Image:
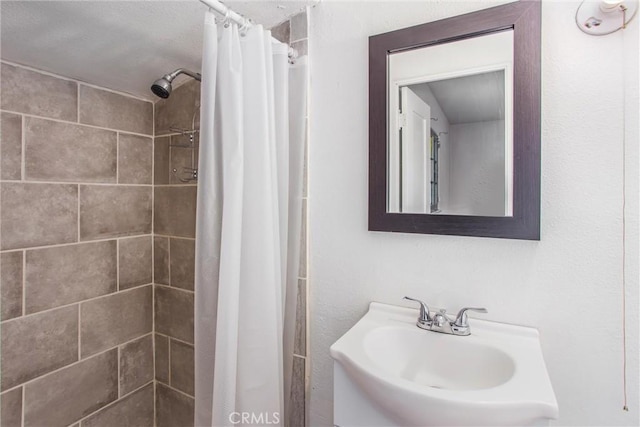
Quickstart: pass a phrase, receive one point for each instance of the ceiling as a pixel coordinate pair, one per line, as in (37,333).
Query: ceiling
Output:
(469,99)
(120,45)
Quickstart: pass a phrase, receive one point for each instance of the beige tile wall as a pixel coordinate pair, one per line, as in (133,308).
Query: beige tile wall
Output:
(174,242)
(76,253)
(174,249)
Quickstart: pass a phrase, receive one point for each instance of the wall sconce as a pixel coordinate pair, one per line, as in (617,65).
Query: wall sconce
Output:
(602,17)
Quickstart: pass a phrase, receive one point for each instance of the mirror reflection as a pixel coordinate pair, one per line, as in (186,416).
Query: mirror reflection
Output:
(450,128)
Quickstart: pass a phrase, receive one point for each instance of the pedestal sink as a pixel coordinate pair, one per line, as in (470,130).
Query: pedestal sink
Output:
(388,372)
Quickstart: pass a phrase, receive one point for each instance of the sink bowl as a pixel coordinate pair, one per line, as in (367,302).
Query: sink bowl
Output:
(389,372)
(406,354)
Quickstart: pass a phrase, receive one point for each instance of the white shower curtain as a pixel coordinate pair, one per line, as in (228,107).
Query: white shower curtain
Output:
(247,226)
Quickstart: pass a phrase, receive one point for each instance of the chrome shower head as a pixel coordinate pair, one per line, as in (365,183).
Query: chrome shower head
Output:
(162,86)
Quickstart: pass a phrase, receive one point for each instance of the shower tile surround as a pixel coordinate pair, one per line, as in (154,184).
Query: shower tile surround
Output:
(298,39)
(75,253)
(174,262)
(174,244)
(97,254)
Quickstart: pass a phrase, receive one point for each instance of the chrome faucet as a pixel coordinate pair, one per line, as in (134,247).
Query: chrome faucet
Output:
(424,321)
(440,322)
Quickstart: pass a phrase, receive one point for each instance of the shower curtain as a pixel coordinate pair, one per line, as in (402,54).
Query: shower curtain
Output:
(247,226)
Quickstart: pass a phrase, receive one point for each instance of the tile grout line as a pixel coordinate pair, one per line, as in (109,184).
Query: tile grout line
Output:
(169,358)
(166,135)
(117,265)
(171,176)
(23,155)
(23,406)
(110,404)
(24,283)
(99,184)
(78,212)
(168,337)
(175,185)
(169,256)
(168,236)
(77,302)
(307,323)
(118,362)
(175,287)
(79,332)
(82,242)
(52,119)
(155,407)
(77,102)
(117,157)
(176,390)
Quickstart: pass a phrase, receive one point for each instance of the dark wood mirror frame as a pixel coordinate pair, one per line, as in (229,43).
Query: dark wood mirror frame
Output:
(523,18)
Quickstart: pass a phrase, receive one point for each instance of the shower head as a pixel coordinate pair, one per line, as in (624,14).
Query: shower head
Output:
(162,86)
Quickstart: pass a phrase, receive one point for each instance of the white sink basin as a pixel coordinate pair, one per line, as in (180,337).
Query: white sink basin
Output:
(456,364)
(495,376)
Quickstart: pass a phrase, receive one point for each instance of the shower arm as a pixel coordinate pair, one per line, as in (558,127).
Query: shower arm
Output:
(179,71)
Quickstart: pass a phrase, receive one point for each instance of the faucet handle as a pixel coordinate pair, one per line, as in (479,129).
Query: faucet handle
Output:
(424,310)
(461,319)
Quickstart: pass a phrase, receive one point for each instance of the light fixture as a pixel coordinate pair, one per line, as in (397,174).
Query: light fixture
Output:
(602,17)
(610,5)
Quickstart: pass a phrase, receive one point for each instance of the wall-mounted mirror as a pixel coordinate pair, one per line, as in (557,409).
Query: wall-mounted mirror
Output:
(450,118)
(455,125)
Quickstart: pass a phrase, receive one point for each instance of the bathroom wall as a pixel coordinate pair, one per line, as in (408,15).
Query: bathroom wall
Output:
(75,253)
(174,240)
(477,157)
(568,285)
(174,250)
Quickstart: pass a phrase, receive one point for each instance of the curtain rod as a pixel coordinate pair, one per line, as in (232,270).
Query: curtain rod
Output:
(228,13)
(243,22)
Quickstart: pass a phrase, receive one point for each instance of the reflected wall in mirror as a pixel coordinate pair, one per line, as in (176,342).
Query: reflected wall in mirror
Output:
(454,125)
(450,134)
